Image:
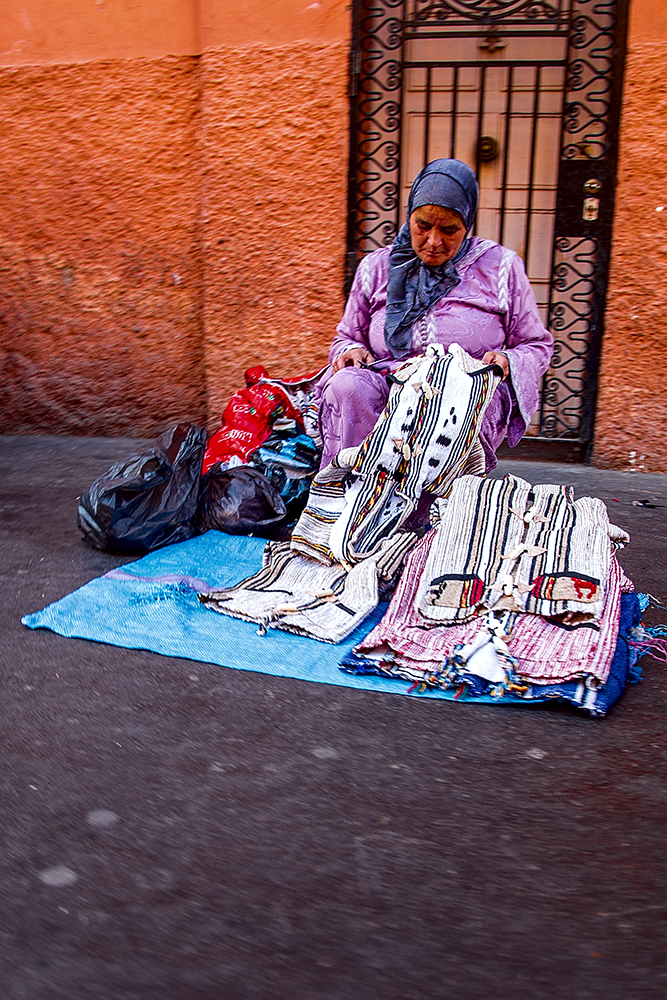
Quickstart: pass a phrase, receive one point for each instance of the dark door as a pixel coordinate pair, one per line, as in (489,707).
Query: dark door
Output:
(527,92)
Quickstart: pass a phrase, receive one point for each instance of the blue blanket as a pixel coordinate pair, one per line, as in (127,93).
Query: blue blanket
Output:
(152,604)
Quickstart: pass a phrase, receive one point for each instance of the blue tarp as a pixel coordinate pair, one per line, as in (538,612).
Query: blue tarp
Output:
(152,604)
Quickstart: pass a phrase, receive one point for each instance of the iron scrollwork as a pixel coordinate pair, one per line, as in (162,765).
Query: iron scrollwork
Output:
(589,79)
(378,124)
(572,287)
(486,12)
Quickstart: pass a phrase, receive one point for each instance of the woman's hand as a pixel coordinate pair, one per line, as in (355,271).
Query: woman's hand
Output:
(354,358)
(497,358)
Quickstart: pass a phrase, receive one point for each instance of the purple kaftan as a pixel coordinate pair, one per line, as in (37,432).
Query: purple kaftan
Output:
(492,309)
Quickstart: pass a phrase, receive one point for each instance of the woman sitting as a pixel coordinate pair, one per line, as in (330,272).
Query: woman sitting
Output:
(436,284)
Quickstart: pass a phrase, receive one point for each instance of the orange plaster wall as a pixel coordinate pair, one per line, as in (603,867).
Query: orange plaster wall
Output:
(272,22)
(648,22)
(64,31)
(129,282)
(100,256)
(275,130)
(632,408)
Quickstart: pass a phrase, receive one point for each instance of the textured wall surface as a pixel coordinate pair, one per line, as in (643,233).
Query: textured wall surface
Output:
(100,265)
(632,407)
(275,128)
(165,222)
(62,31)
(272,22)
(58,31)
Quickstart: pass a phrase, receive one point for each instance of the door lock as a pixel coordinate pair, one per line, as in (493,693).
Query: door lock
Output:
(591,207)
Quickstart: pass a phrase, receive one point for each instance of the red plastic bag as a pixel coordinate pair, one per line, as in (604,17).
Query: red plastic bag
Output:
(248,419)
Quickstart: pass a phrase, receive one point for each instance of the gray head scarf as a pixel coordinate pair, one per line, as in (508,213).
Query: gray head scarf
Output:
(412,286)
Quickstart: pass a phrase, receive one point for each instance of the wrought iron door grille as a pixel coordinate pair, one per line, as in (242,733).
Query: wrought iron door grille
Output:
(469,17)
(527,93)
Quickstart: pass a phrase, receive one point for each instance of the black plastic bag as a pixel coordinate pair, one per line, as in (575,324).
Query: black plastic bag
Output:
(150,499)
(289,461)
(240,501)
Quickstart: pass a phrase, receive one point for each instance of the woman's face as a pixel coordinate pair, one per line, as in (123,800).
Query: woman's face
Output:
(437,234)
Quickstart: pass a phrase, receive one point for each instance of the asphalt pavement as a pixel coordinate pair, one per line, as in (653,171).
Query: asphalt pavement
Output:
(174,830)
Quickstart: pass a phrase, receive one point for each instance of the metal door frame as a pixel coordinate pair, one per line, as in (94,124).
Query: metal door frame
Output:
(376,76)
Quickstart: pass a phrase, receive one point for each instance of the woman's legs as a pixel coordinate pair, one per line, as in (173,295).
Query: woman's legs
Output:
(350,404)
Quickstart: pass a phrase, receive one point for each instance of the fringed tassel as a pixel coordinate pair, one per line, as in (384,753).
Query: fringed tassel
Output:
(646,599)
(643,639)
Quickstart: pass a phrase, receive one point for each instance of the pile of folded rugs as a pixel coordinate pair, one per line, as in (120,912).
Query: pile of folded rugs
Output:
(513,592)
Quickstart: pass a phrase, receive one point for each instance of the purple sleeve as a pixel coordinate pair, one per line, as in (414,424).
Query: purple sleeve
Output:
(528,347)
(353,329)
